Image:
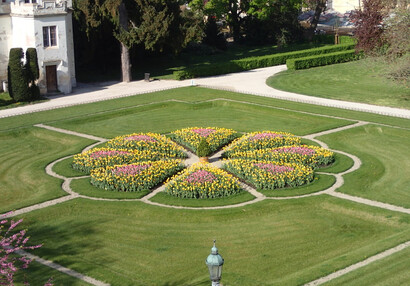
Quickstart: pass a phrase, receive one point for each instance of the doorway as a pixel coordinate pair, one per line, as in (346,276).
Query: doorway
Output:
(51,78)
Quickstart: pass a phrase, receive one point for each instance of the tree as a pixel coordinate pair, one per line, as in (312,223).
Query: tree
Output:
(369,25)
(273,21)
(17,78)
(32,72)
(155,24)
(11,242)
(233,10)
(319,6)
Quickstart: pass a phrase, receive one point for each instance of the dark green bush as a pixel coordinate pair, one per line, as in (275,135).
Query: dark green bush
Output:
(203,149)
(17,77)
(32,64)
(32,72)
(256,62)
(322,60)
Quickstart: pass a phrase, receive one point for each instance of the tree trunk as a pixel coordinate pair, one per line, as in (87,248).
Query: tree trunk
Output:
(125,54)
(319,8)
(125,64)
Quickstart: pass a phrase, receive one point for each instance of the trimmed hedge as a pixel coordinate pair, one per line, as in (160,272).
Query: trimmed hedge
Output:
(256,62)
(17,77)
(322,60)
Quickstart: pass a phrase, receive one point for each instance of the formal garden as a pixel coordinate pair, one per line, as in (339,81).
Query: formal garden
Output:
(269,193)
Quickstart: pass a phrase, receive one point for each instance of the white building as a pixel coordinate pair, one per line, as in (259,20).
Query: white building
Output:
(47,26)
(342,6)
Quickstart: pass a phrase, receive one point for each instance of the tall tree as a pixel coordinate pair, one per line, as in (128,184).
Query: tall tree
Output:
(369,25)
(155,24)
(233,10)
(319,6)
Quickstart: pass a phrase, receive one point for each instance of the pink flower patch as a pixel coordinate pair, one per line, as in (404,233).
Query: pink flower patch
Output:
(296,150)
(200,176)
(106,153)
(262,136)
(275,169)
(203,132)
(129,170)
(145,138)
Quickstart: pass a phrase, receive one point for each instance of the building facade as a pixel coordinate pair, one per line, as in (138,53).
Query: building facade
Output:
(47,26)
(343,6)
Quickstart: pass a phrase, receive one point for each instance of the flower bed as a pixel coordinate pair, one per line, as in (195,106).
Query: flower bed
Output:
(151,142)
(216,137)
(202,181)
(134,177)
(103,157)
(269,175)
(261,140)
(311,156)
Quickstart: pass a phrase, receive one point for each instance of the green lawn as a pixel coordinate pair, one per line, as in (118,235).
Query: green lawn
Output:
(385,155)
(360,81)
(392,270)
(25,153)
(285,242)
(272,242)
(169,116)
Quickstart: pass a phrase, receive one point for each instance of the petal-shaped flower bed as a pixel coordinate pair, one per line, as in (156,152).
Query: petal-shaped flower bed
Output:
(216,137)
(103,157)
(312,156)
(261,140)
(202,181)
(135,177)
(269,175)
(152,142)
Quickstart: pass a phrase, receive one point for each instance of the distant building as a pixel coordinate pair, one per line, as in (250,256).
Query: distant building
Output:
(343,6)
(46,26)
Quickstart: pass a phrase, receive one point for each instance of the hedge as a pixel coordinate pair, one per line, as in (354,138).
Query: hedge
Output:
(256,62)
(17,77)
(322,60)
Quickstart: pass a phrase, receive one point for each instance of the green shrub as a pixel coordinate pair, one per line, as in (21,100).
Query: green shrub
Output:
(256,62)
(32,64)
(322,60)
(203,148)
(32,72)
(17,78)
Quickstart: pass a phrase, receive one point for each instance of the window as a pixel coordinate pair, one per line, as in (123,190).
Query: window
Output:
(50,36)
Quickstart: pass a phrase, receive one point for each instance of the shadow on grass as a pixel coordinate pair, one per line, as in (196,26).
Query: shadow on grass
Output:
(63,244)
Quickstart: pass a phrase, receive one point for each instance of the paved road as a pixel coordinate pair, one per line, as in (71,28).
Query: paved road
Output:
(249,82)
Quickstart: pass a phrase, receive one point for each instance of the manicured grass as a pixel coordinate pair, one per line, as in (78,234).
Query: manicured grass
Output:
(166,199)
(384,153)
(189,94)
(84,187)
(361,81)
(392,270)
(341,164)
(38,274)
(25,153)
(269,243)
(287,242)
(320,183)
(64,168)
(170,116)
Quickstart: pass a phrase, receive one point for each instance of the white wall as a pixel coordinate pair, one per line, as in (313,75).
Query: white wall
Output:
(30,34)
(342,6)
(5,44)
